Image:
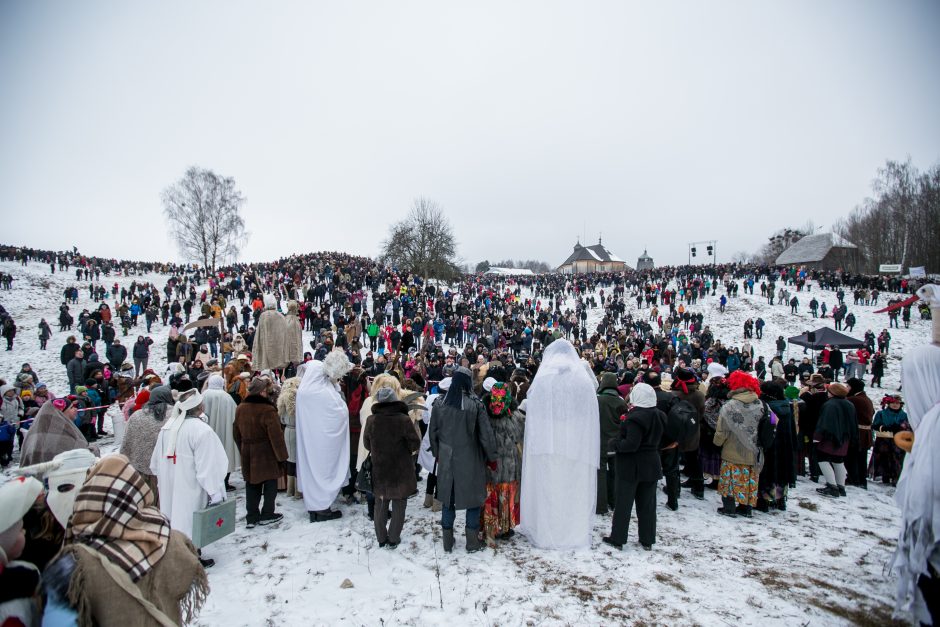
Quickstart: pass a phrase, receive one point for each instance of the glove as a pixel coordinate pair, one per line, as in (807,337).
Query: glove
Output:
(216,498)
(492,465)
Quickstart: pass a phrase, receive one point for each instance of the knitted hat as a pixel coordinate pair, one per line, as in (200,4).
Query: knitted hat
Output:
(839,390)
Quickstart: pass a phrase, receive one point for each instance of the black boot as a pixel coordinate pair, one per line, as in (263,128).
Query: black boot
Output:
(782,505)
(841,489)
(727,507)
(473,540)
(830,491)
(448,537)
(762,506)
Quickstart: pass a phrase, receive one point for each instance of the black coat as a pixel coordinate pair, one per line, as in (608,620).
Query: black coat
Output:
(779,459)
(68,352)
(391,439)
(638,446)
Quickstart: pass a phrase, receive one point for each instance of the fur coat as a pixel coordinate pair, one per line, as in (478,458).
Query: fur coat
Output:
(287,410)
(294,333)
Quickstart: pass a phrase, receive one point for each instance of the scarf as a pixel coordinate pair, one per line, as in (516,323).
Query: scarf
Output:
(160,399)
(114,514)
(175,423)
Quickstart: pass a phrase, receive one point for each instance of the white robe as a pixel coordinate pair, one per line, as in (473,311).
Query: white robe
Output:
(220,414)
(425,457)
(322,439)
(186,485)
(562,451)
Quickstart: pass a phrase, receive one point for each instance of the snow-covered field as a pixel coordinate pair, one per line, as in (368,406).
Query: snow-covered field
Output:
(822,562)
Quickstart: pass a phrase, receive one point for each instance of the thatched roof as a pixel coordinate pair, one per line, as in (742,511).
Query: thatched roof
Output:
(813,248)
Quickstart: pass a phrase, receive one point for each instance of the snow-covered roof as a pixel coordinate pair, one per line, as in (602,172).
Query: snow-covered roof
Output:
(813,248)
(507,271)
(597,253)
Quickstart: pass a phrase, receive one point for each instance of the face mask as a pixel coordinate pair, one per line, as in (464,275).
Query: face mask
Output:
(63,489)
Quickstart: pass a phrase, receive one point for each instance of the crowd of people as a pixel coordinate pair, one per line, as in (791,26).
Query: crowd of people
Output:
(493,391)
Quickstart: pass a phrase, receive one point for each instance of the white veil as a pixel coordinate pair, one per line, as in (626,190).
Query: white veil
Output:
(562,453)
(562,412)
(322,438)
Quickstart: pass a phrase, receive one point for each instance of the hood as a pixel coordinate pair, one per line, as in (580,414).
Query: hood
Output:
(608,381)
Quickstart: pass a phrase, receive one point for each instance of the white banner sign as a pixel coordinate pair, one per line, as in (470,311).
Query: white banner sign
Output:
(889,267)
(918,271)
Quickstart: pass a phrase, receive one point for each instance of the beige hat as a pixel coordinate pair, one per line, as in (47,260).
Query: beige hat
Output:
(16,497)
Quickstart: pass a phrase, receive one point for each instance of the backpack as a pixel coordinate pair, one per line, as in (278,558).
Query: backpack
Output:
(681,421)
(765,429)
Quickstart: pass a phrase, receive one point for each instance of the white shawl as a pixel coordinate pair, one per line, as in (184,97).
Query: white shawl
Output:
(322,438)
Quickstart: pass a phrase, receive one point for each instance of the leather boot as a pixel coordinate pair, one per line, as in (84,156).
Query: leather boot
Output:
(473,540)
(448,535)
(782,505)
(727,507)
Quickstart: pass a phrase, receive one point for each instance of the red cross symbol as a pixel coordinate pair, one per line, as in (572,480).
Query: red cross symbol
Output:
(219,522)
(173,457)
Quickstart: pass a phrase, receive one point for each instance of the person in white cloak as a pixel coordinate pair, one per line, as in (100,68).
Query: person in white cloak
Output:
(190,464)
(322,436)
(917,557)
(220,415)
(561,452)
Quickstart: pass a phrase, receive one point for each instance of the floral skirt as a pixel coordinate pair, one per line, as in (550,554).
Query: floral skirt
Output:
(501,508)
(738,481)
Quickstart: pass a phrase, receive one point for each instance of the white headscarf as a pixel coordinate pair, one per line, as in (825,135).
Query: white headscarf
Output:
(918,493)
(216,382)
(187,401)
(643,395)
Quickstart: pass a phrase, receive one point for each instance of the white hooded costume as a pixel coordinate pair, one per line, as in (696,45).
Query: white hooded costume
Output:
(322,432)
(190,464)
(425,456)
(220,415)
(918,493)
(562,452)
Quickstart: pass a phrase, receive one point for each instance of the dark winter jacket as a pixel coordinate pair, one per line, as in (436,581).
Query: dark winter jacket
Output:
(260,440)
(75,371)
(611,407)
(697,400)
(462,441)
(116,355)
(779,467)
(637,446)
(68,352)
(91,366)
(391,440)
(142,349)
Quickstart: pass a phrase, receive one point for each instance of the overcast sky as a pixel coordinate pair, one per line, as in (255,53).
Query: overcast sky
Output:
(532,123)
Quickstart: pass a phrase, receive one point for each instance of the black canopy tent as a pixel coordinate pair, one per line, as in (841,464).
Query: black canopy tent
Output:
(820,338)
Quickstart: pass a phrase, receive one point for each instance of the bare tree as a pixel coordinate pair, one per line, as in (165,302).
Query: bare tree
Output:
(423,243)
(203,210)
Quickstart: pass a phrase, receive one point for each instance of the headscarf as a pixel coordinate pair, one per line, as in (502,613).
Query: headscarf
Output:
(114,514)
(461,383)
(500,400)
(643,395)
(188,400)
(216,382)
(161,397)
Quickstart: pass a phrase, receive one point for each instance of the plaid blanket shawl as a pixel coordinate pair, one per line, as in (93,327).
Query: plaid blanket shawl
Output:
(51,433)
(115,515)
